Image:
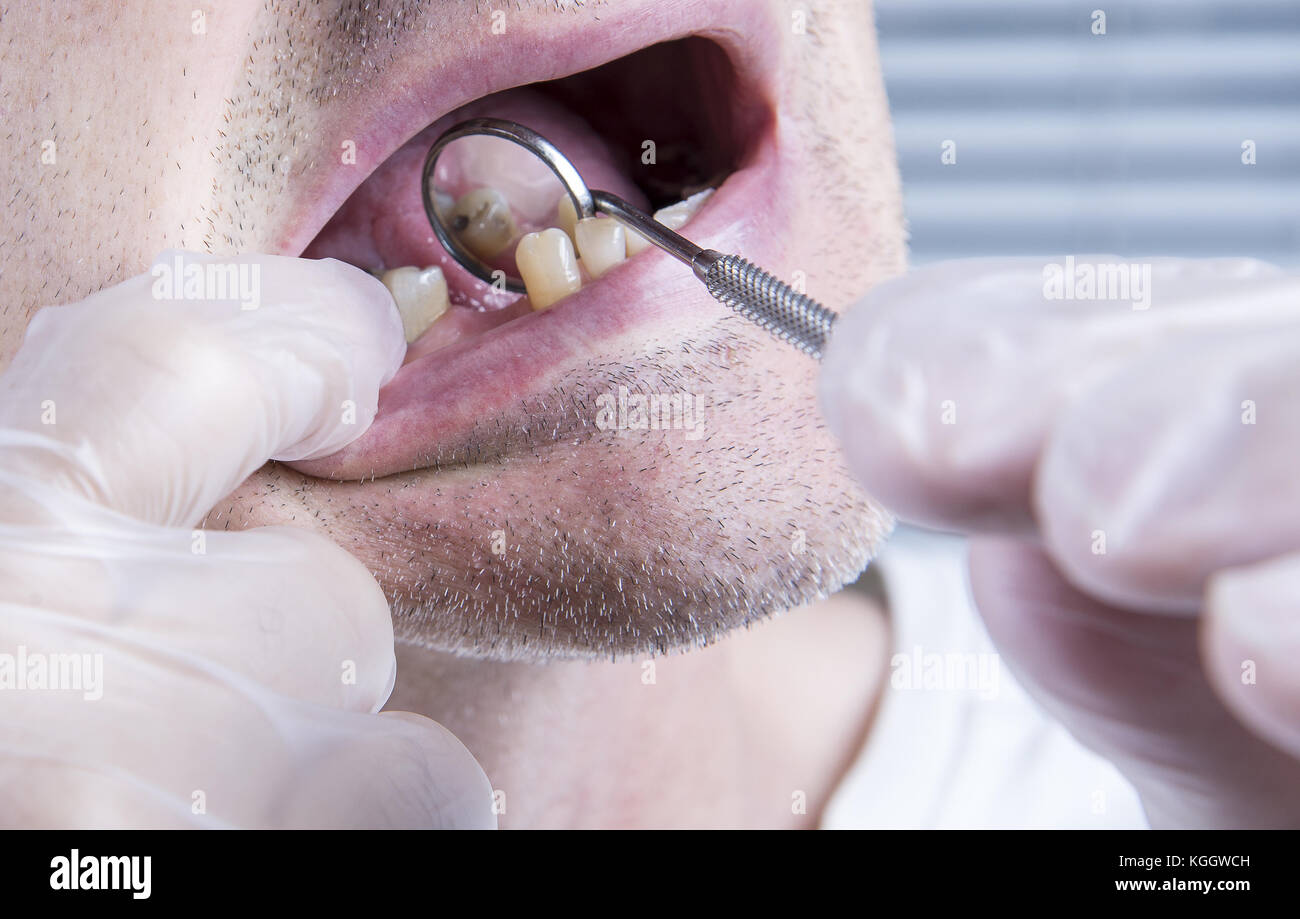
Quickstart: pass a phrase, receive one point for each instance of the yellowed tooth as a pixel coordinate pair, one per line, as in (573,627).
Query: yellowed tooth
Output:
(566,216)
(674,217)
(443,203)
(482,221)
(635,243)
(421,297)
(602,243)
(548,266)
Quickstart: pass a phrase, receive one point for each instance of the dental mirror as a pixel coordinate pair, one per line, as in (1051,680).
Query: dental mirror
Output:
(488,183)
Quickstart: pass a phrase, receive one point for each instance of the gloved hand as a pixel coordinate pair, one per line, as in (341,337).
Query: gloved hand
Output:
(1132,480)
(160,676)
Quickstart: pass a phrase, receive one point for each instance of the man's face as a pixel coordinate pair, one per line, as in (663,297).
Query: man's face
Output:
(514,497)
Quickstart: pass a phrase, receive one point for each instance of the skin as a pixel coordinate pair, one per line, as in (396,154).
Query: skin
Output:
(164,138)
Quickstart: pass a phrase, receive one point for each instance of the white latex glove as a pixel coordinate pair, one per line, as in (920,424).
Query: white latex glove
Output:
(1132,478)
(241,671)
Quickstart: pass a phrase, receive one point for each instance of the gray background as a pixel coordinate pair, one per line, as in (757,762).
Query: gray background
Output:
(1070,142)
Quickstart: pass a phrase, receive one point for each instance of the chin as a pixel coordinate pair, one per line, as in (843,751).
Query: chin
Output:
(632,469)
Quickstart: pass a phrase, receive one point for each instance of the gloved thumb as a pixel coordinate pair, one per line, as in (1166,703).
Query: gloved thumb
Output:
(945,384)
(157,396)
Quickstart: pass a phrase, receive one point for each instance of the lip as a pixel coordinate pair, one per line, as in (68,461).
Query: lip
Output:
(440,407)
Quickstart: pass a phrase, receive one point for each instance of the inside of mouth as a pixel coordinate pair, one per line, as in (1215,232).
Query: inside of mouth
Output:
(677,95)
(656,127)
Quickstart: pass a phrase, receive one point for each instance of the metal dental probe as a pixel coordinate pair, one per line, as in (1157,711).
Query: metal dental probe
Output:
(732,280)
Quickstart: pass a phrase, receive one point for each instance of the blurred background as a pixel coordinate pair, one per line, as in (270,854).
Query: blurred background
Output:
(1064,141)
(1129,142)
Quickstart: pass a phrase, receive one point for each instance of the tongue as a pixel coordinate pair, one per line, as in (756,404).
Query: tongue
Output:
(383,224)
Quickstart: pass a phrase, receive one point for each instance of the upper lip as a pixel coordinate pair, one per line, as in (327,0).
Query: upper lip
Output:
(466,379)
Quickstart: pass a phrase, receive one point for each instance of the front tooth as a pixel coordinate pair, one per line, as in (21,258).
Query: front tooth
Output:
(481,219)
(674,217)
(566,215)
(421,297)
(548,266)
(601,243)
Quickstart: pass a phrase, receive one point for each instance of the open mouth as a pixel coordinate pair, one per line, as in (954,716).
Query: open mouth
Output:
(676,127)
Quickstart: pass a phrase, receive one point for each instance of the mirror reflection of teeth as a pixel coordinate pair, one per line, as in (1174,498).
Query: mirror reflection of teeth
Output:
(482,221)
(420,295)
(548,266)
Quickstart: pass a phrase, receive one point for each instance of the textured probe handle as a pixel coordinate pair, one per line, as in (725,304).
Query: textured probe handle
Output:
(768,302)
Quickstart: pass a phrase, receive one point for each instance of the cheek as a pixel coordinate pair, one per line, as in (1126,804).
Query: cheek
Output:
(123,163)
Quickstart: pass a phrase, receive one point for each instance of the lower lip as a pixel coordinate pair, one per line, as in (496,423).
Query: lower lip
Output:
(440,400)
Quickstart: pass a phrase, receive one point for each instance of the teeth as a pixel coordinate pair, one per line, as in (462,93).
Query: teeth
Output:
(482,221)
(601,243)
(421,297)
(566,215)
(674,217)
(548,266)
(635,243)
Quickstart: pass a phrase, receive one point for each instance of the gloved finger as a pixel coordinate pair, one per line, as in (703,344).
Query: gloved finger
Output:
(1251,640)
(1133,689)
(397,770)
(942,384)
(283,606)
(232,756)
(185,730)
(1174,468)
(158,396)
(437,783)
